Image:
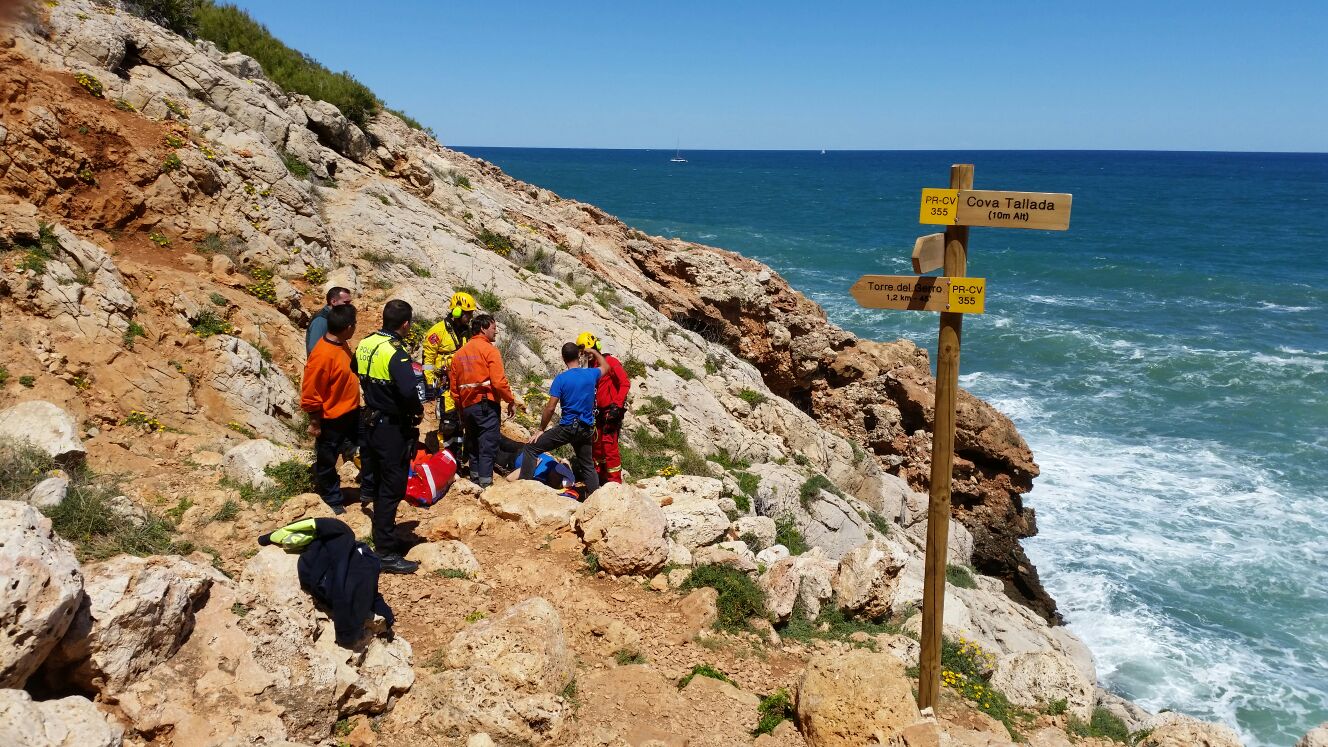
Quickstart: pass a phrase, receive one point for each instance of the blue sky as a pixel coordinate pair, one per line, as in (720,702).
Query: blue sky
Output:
(836,75)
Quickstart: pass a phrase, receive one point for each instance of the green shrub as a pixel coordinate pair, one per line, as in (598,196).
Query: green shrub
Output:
(264,287)
(85,517)
(838,626)
(133,330)
(654,406)
(812,488)
(297,168)
(739,597)
(228,511)
(1103,724)
(171,163)
(292,477)
(634,368)
(958,575)
(208,323)
(752,397)
(705,670)
(28,381)
(419,270)
(787,534)
(625,656)
(315,275)
(592,562)
(773,710)
(495,242)
(801,459)
(685,373)
(451,573)
(1058,707)
(741,501)
(461,180)
(413,123)
(179,16)
(728,461)
(4,376)
(489,301)
(233,30)
(218,300)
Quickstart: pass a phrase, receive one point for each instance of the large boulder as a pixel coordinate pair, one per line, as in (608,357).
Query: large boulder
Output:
(67,722)
(445,555)
(625,530)
(1316,737)
(1177,730)
(529,501)
(137,612)
(694,522)
(759,531)
(681,487)
(852,698)
(504,677)
(816,575)
(42,591)
(45,426)
(262,665)
(246,463)
(866,579)
(780,584)
(1035,679)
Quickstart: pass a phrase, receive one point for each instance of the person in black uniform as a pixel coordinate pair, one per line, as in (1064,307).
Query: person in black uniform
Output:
(393,408)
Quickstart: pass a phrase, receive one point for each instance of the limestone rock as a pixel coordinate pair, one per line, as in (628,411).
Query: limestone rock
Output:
(680,487)
(694,522)
(762,528)
(529,501)
(851,698)
(50,492)
(445,555)
(816,575)
(780,584)
(42,591)
(503,677)
(624,529)
(68,722)
(245,463)
(1036,679)
(136,614)
(719,555)
(250,386)
(865,581)
(1177,730)
(772,554)
(45,426)
(1316,737)
(699,610)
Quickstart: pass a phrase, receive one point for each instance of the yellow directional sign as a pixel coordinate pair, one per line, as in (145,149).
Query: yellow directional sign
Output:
(921,293)
(1048,211)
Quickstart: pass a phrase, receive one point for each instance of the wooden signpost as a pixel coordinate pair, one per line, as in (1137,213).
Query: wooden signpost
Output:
(953,294)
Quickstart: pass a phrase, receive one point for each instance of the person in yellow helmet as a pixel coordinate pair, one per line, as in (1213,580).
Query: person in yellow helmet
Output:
(441,341)
(610,407)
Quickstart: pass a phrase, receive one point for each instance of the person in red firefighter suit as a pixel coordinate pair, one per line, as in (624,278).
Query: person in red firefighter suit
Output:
(610,407)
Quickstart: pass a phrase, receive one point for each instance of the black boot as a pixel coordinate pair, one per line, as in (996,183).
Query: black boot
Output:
(396,564)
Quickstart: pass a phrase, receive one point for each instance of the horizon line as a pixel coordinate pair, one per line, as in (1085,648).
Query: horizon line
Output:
(894,150)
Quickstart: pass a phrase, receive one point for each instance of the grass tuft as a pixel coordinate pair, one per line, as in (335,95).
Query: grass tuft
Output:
(739,597)
(787,534)
(773,710)
(960,576)
(705,670)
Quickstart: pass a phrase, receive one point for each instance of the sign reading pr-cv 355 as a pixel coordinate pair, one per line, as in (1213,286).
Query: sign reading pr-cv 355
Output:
(968,207)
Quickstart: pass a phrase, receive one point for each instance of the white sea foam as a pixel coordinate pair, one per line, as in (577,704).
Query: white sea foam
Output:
(1150,547)
(1270,306)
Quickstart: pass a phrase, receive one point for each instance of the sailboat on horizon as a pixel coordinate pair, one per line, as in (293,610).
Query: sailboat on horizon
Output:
(677,155)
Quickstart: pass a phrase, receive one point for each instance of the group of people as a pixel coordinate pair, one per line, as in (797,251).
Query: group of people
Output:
(371,401)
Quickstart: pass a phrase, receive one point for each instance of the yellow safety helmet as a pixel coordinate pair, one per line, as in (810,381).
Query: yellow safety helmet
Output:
(587,340)
(461,303)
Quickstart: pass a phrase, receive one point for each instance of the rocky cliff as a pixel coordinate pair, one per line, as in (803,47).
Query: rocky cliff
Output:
(169,219)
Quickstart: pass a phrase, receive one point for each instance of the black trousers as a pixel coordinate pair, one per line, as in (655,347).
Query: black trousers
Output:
(386,461)
(582,439)
(483,424)
(333,439)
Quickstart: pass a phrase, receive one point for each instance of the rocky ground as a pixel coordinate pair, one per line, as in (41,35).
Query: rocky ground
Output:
(170,218)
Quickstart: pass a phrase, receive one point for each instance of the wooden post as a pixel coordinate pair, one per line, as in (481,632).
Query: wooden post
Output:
(942,461)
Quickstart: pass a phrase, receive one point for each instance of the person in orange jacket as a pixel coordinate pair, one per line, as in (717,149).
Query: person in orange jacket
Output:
(478,384)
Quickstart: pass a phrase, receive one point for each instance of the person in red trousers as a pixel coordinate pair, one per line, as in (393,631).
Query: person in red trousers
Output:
(610,407)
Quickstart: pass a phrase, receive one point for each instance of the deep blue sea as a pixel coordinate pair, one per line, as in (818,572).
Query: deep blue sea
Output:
(1166,358)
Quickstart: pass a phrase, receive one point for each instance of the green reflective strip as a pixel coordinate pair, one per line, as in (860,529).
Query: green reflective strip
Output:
(372,360)
(296,535)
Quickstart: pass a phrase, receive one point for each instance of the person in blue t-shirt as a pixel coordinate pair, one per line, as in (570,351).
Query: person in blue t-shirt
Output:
(574,389)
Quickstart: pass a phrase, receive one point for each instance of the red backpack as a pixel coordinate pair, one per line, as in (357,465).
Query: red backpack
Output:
(430,477)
